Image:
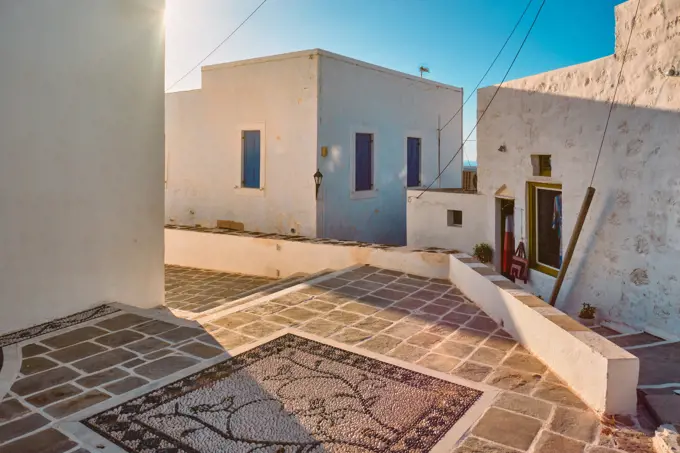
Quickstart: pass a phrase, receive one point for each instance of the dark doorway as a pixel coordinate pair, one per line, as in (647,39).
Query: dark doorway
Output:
(507,237)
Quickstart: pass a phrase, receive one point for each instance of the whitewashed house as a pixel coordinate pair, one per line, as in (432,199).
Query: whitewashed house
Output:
(539,141)
(246,146)
(81,173)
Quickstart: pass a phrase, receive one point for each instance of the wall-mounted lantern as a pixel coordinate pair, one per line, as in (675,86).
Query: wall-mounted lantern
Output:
(318,177)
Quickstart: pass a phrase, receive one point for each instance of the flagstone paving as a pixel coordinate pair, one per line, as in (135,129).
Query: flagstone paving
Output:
(200,290)
(422,321)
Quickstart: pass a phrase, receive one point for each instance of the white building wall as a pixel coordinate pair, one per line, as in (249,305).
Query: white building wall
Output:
(358,97)
(203,140)
(627,259)
(81,138)
(427,221)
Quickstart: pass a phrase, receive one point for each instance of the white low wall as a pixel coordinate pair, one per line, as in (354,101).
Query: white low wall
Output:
(426,219)
(281,258)
(604,375)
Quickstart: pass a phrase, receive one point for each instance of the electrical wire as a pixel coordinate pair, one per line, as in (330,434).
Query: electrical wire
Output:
(538,13)
(218,46)
(474,90)
(616,89)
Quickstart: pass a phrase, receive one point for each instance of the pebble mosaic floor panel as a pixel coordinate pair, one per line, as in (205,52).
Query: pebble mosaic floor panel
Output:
(291,395)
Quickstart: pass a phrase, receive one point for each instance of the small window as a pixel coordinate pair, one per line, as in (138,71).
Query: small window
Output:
(413,161)
(363,162)
(542,164)
(545,227)
(250,171)
(454,218)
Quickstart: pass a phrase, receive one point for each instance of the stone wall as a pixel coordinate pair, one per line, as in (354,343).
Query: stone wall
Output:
(626,262)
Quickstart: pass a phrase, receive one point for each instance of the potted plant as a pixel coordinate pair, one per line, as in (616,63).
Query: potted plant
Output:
(587,315)
(483,252)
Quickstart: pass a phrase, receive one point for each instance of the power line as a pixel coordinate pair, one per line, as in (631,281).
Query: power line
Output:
(616,89)
(491,65)
(538,13)
(216,48)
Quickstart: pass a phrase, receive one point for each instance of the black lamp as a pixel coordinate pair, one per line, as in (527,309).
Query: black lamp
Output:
(318,177)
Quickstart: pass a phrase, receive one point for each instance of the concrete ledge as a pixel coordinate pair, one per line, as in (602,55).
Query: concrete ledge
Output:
(279,257)
(604,375)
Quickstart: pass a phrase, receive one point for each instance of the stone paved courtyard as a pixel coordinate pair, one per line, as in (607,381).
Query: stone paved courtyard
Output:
(200,290)
(425,322)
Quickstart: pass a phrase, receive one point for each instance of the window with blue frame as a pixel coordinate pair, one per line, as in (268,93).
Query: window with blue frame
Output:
(413,161)
(363,162)
(250,172)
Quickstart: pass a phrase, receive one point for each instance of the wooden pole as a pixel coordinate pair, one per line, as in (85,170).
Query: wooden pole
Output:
(572,244)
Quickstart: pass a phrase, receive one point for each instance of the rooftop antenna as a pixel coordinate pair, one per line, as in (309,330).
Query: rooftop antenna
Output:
(424,69)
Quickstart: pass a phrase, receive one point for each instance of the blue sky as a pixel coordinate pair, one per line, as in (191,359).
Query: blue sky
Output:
(457,39)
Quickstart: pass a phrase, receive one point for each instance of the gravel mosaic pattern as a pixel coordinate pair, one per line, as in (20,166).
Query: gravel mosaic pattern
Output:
(57,324)
(290,395)
(200,290)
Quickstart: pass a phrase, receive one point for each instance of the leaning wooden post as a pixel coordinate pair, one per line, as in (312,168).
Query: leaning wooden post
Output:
(572,244)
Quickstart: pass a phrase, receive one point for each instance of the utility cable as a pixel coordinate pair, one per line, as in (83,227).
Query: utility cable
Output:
(218,46)
(472,93)
(616,89)
(538,13)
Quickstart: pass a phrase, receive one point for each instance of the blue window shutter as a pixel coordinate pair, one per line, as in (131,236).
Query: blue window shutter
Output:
(363,162)
(413,162)
(251,159)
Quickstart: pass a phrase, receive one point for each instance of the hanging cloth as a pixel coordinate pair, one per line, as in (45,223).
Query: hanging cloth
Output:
(508,244)
(520,264)
(557,221)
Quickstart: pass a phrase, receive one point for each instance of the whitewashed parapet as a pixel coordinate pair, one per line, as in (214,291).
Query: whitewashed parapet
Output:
(279,256)
(603,374)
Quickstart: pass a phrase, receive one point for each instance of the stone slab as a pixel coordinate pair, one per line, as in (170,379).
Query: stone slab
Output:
(524,405)
(76,404)
(558,394)
(181,334)
(507,428)
(102,377)
(34,365)
(125,385)
(33,349)
(155,327)
(474,445)
(164,367)
(76,352)
(119,338)
(201,350)
(12,409)
(664,408)
(21,427)
(74,336)
(580,425)
(123,321)
(147,345)
(104,360)
(553,443)
(42,381)
(53,395)
(47,441)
